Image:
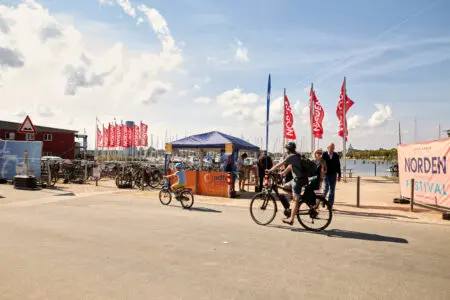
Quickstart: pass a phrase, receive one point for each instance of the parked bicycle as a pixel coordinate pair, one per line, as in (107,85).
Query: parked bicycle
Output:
(184,195)
(311,216)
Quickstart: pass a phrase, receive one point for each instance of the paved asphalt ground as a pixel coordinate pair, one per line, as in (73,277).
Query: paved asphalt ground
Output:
(120,246)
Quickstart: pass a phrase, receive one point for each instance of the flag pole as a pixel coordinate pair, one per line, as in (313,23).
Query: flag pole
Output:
(109,138)
(284,122)
(96,137)
(103,139)
(116,153)
(267,119)
(140,140)
(311,116)
(133,142)
(399,134)
(345,129)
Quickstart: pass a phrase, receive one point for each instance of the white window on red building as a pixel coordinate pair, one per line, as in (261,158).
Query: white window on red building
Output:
(29,136)
(10,135)
(48,137)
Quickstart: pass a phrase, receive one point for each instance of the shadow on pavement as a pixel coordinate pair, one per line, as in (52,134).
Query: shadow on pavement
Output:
(204,209)
(371,215)
(66,194)
(380,181)
(346,234)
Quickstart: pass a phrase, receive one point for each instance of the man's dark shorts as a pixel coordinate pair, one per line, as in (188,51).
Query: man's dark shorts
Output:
(295,186)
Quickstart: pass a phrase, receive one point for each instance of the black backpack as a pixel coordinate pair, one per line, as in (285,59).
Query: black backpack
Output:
(309,168)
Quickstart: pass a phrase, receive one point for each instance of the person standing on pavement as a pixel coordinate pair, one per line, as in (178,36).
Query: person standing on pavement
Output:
(264,163)
(242,171)
(333,165)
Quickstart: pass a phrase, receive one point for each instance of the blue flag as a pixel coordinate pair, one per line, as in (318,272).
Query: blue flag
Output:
(267,118)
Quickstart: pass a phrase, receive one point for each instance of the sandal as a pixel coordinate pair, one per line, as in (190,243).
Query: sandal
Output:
(287,221)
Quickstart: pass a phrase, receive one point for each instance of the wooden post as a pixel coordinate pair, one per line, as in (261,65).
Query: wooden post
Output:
(375,163)
(412,195)
(49,177)
(358,190)
(85,172)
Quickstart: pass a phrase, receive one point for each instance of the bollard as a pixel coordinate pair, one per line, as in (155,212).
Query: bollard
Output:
(358,190)
(85,172)
(412,196)
(375,163)
(49,177)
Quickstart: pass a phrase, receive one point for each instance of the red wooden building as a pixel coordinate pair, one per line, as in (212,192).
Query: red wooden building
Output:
(55,141)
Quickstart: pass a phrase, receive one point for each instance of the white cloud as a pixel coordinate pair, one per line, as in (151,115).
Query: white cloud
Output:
(155,92)
(139,21)
(236,97)
(241,54)
(127,7)
(252,108)
(182,93)
(213,60)
(381,116)
(47,63)
(11,58)
(22,113)
(203,100)
(161,28)
(106,2)
(197,87)
(354,122)
(45,111)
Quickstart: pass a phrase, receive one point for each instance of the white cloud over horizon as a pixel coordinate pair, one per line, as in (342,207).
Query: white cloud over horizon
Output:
(241,54)
(202,100)
(44,69)
(381,116)
(66,66)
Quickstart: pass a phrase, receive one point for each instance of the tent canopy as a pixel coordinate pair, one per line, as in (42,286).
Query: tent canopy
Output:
(212,140)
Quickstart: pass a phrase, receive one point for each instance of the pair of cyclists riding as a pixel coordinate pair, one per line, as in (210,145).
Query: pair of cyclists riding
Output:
(300,181)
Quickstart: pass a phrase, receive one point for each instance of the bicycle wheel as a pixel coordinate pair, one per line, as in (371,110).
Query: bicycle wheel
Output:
(119,181)
(187,199)
(155,179)
(263,204)
(315,218)
(165,197)
(54,178)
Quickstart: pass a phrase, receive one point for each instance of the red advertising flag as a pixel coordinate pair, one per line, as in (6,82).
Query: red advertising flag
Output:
(137,136)
(129,136)
(125,142)
(105,137)
(144,135)
(340,111)
(289,131)
(317,116)
(112,137)
(117,141)
(99,138)
(123,130)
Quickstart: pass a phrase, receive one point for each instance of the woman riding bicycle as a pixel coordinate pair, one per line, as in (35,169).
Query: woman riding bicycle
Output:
(300,179)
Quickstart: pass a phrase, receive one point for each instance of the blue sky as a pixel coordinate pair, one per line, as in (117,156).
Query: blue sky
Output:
(394,53)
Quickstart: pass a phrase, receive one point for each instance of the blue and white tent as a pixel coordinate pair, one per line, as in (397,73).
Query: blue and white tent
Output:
(213,140)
